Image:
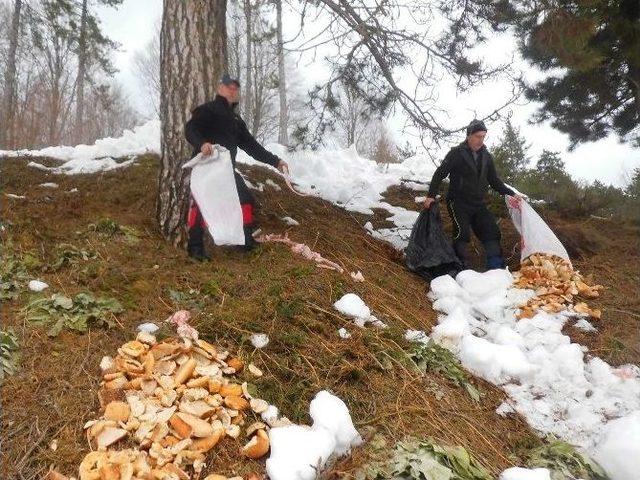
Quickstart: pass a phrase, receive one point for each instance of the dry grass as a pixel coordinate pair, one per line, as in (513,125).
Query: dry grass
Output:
(270,290)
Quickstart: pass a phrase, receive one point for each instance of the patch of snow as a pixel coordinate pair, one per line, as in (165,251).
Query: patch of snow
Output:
(549,379)
(416,336)
(344,333)
(297,451)
(584,325)
(148,327)
(419,199)
(618,451)
(518,473)
(273,184)
(343,177)
(259,340)
(49,185)
(37,285)
(352,306)
(290,221)
(14,196)
(142,139)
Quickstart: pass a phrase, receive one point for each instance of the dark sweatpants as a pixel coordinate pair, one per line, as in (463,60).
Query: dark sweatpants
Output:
(479,219)
(197,225)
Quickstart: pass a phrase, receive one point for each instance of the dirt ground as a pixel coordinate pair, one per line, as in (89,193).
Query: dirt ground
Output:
(269,290)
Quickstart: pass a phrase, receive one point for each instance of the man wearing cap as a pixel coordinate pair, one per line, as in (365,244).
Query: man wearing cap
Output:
(217,122)
(471,171)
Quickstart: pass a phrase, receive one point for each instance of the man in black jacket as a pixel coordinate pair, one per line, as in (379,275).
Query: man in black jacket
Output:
(471,171)
(217,122)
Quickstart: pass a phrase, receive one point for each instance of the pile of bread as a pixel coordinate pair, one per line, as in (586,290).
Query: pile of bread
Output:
(557,285)
(165,405)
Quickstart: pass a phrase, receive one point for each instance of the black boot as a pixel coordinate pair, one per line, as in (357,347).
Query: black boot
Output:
(461,249)
(195,246)
(249,242)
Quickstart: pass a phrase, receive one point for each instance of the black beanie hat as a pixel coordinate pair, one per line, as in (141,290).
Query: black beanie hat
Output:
(476,126)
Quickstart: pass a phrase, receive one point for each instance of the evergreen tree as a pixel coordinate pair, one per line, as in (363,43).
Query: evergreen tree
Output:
(591,49)
(550,167)
(510,155)
(633,189)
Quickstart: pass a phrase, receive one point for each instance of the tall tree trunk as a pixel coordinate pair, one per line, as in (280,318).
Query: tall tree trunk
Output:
(82,66)
(193,46)
(6,112)
(248,86)
(283,118)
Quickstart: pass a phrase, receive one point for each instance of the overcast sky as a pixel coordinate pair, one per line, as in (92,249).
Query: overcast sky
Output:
(132,25)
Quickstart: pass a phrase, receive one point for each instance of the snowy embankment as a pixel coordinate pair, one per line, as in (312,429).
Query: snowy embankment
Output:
(101,155)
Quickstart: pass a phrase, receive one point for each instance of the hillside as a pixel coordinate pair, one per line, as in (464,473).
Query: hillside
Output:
(272,291)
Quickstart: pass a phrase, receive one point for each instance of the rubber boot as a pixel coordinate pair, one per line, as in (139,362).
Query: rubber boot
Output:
(195,245)
(493,251)
(462,249)
(249,242)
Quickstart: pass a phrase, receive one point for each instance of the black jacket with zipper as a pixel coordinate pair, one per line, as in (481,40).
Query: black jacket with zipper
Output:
(468,181)
(217,122)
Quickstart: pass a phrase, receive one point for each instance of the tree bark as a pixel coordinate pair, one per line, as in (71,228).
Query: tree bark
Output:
(7,110)
(248,86)
(283,118)
(193,47)
(82,66)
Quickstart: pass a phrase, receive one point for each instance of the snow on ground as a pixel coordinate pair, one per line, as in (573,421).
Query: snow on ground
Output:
(517,473)
(37,285)
(553,383)
(345,178)
(344,333)
(352,306)
(290,221)
(259,340)
(99,156)
(297,450)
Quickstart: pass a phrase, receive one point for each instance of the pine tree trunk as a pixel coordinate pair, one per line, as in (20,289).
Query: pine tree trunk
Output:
(247,93)
(193,47)
(82,66)
(8,104)
(283,118)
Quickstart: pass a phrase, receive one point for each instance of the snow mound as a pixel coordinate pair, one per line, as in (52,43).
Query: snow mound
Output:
(550,380)
(352,306)
(619,449)
(99,156)
(297,451)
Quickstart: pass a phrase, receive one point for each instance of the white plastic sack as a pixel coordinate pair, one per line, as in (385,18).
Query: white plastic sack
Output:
(213,187)
(535,234)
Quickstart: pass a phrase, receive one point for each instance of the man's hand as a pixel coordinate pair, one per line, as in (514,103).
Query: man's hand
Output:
(206,149)
(283,166)
(428,201)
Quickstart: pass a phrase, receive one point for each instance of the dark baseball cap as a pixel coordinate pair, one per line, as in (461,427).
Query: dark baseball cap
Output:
(227,79)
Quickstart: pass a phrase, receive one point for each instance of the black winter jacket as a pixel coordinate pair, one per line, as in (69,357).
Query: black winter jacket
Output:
(218,123)
(466,184)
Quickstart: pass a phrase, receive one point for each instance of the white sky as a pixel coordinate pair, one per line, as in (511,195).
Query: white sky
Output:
(132,25)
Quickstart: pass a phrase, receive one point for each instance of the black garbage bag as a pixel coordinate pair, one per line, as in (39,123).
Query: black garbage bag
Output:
(429,253)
